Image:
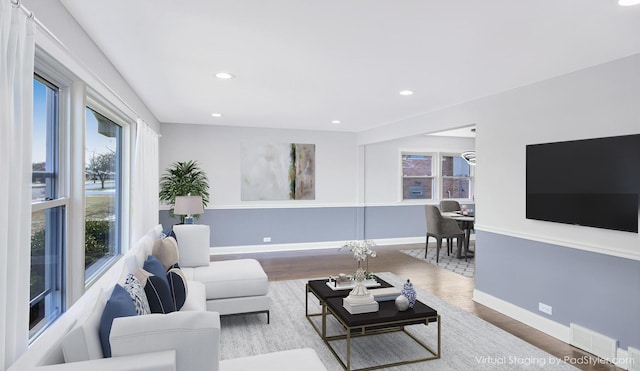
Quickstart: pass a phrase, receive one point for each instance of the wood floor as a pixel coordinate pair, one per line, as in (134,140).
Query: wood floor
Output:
(452,287)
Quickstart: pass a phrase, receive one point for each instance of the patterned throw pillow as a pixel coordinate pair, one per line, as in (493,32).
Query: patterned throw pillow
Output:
(136,291)
(177,286)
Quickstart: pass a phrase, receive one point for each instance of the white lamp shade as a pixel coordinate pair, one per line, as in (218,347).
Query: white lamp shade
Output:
(188,205)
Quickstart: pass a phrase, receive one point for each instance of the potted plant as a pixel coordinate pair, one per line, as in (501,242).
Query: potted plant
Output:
(183,179)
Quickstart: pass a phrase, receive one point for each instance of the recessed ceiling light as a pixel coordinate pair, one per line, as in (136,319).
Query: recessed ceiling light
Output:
(336,122)
(406,92)
(216,114)
(628,2)
(224,75)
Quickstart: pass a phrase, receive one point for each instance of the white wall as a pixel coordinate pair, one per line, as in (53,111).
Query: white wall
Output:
(597,102)
(383,165)
(218,149)
(79,54)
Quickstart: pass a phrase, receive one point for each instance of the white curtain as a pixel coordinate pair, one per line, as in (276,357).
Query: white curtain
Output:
(17,46)
(146,178)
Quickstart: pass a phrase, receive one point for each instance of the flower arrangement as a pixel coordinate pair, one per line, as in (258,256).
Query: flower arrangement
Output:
(361,252)
(361,249)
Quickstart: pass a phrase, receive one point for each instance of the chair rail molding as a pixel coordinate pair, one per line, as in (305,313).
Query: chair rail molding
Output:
(606,250)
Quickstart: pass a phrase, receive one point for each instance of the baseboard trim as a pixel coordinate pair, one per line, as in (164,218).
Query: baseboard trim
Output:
(623,358)
(267,247)
(245,249)
(538,322)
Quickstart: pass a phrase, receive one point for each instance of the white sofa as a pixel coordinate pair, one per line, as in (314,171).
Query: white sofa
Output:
(232,286)
(185,340)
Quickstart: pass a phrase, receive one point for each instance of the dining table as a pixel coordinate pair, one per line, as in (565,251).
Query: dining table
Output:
(466,220)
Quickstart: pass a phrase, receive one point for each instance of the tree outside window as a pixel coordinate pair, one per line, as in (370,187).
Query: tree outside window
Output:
(102,191)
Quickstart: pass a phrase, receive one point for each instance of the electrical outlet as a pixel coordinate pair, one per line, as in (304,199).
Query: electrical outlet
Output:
(266,239)
(544,308)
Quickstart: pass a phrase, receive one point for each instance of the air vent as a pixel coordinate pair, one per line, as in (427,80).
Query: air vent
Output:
(593,342)
(634,359)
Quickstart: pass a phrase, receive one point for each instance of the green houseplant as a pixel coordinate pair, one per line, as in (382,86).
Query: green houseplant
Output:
(183,179)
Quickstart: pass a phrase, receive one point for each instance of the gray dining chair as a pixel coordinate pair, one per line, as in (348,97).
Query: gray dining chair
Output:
(449,205)
(439,228)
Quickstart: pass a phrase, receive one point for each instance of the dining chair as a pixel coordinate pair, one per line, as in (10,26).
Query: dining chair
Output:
(449,205)
(439,228)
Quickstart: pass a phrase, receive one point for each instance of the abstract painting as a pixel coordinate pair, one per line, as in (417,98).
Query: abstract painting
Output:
(278,171)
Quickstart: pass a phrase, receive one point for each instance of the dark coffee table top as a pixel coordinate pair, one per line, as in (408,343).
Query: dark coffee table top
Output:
(320,288)
(386,314)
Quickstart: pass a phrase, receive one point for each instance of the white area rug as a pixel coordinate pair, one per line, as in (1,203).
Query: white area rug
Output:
(468,342)
(450,263)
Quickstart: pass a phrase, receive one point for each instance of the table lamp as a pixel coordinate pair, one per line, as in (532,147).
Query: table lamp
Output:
(189,206)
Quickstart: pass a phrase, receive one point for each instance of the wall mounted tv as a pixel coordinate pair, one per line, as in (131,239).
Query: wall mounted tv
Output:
(591,182)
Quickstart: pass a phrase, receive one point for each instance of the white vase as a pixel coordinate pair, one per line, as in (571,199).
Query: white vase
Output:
(402,303)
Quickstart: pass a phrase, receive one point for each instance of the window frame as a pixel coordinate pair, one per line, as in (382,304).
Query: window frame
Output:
(437,178)
(95,102)
(55,200)
(433,177)
(442,155)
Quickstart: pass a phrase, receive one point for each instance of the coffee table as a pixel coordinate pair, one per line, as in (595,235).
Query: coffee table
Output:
(386,319)
(322,292)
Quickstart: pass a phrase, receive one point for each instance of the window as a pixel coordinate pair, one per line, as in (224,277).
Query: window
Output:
(456,177)
(417,176)
(48,211)
(103,192)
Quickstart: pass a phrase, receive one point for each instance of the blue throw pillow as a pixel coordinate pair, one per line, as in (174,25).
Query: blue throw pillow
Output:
(155,267)
(169,233)
(177,286)
(119,305)
(158,295)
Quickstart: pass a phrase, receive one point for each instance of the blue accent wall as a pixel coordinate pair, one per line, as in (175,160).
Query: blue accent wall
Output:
(394,221)
(597,291)
(240,227)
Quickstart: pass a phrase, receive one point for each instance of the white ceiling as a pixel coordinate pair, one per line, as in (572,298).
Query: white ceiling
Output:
(303,63)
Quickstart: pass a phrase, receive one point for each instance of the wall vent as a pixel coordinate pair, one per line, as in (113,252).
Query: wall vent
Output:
(634,359)
(593,342)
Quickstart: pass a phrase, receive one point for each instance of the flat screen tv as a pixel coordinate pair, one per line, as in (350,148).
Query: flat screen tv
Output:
(591,182)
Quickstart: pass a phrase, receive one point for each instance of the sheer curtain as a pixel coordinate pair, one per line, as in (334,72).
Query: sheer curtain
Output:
(146,178)
(17,46)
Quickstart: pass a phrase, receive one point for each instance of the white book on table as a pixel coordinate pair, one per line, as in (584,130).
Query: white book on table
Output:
(385,293)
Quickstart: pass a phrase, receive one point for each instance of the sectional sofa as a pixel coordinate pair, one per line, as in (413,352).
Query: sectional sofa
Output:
(184,340)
